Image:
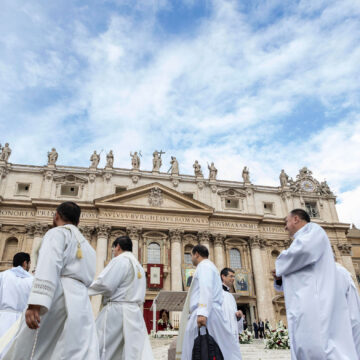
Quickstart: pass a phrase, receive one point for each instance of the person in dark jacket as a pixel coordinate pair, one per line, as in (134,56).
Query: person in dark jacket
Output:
(256,329)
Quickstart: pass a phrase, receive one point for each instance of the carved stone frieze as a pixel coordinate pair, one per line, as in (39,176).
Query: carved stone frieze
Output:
(107,175)
(176,235)
(86,231)
(103,230)
(134,232)
(155,197)
(204,237)
(135,179)
(257,242)
(219,239)
(40,229)
(345,249)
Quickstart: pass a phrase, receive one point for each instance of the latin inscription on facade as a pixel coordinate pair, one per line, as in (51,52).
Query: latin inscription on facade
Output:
(155,218)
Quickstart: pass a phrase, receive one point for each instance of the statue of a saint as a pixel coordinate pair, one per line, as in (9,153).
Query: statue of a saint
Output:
(197,169)
(110,159)
(157,161)
(95,159)
(52,156)
(212,171)
(135,160)
(325,189)
(246,174)
(284,178)
(5,153)
(174,166)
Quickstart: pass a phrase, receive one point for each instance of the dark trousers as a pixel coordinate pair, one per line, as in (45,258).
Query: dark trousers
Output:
(261,332)
(256,333)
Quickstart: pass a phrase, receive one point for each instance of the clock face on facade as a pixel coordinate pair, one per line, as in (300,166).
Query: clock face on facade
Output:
(307,185)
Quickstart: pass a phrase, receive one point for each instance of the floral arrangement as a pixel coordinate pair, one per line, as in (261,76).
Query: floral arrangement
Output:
(246,337)
(277,338)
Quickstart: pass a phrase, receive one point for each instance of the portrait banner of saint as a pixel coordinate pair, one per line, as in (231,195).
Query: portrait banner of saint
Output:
(188,274)
(242,283)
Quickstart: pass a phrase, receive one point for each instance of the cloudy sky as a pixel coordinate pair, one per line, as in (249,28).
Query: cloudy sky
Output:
(268,84)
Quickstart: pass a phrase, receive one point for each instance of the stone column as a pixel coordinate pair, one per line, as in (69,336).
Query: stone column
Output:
(103,232)
(263,297)
(219,251)
(134,233)
(176,255)
(39,231)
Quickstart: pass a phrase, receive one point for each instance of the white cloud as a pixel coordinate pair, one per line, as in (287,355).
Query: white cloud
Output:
(217,94)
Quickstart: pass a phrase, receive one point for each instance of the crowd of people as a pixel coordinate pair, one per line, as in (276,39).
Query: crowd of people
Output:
(49,316)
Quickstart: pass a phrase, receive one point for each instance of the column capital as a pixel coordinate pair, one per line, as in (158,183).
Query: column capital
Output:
(86,231)
(29,228)
(134,232)
(204,237)
(40,229)
(345,249)
(219,239)
(257,242)
(176,235)
(103,230)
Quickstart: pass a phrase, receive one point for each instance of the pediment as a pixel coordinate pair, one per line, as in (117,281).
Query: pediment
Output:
(232,193)
(153,196)
(71,179)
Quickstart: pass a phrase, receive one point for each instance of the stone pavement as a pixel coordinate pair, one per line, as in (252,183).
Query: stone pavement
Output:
(254,351)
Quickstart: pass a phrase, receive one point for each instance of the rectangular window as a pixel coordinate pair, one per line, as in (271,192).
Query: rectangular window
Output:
(232,203)
(268,208)
(187,259)
(119,189)
(23,189)
(312,210)
(189,195)
(69,190)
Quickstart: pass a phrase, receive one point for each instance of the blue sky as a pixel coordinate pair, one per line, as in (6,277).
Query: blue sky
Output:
(267,84)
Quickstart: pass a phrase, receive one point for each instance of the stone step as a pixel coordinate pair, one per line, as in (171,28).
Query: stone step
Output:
(253,351)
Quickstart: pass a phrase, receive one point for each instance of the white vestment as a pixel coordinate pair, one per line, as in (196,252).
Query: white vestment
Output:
(15,286)
(317,312)
(67,329)
(230,308)
(205,297)
(120,325)
(352,296)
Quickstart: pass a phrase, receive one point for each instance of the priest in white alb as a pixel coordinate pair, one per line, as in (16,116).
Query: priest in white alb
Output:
(317,312)
(346,283)
(204,307)
(59,321)
(15,286)
(120,325)
(232,314)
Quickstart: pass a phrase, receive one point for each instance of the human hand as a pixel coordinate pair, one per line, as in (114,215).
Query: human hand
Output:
(32,316)
(273,273)
(201,320)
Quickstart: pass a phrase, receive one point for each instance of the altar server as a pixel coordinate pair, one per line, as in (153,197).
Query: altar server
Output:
(15,286)
(203,307)
(232,314)
(120,325)
(347,284)
(317,312)
(59,321)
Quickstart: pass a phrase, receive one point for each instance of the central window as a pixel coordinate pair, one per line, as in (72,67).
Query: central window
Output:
(154,253)
(235,259)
